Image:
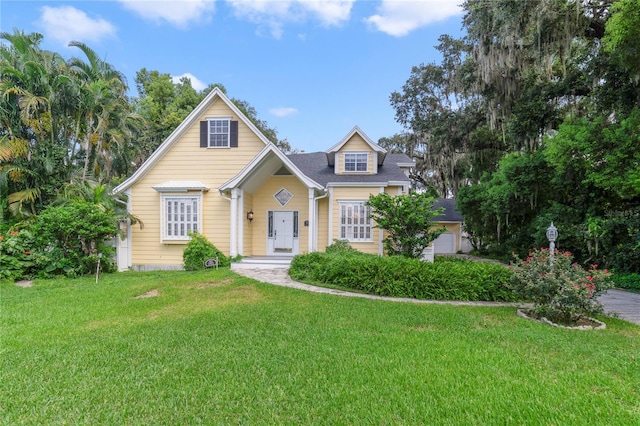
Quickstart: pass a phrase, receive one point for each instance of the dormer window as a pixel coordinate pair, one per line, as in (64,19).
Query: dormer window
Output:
(356,161)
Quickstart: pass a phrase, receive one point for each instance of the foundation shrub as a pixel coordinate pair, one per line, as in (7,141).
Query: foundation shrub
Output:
(397,276)
(199,249)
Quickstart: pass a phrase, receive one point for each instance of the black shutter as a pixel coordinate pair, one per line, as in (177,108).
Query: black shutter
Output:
(233,134)
(204,134)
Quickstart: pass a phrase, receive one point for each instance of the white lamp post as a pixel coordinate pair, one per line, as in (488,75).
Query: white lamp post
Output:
(552,234)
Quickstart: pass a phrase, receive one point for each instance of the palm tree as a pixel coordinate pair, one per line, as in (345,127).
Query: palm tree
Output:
(104,120)
(34,86)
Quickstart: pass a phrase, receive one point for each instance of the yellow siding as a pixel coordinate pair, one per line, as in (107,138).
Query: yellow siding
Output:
(247,229)
(354,194)
(355,144)
(263,201)
(323,224)
(187,161)
(393,190)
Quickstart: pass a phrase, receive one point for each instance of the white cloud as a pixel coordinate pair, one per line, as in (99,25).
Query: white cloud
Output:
(195,83)
(283,111)
(178,13)
(330,12)
(272,15)
(66,23)
(399,17)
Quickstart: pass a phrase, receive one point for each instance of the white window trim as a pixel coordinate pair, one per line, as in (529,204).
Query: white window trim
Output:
(164,237)
(278,201)
(228,120)
(349,228)
(356,154)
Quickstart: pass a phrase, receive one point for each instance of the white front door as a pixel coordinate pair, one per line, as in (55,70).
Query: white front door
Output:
(283,231)
(282,239)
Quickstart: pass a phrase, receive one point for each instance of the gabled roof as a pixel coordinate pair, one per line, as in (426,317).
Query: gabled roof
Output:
(331,152)
(450,214)
(314,165)
(263,166)
(213,96)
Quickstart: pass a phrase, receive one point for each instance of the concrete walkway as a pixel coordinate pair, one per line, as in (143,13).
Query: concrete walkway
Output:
(620,303)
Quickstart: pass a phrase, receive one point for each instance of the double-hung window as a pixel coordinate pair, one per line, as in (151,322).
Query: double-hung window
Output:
(181,215)
(219,133)
(355,221)
(356,161)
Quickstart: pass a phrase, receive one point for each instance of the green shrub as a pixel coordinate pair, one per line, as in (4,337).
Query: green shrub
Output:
(627,281)
(17,258)
(68,238)
(198,250)
(396,276)
(560,290)
(339,246)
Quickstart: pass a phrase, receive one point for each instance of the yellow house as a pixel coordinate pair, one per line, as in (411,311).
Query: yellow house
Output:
(218,175)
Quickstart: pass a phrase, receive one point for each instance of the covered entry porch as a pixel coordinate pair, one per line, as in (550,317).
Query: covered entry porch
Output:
(273,208)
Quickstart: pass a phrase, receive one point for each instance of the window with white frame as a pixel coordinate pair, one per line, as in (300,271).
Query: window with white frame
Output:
(219,133)
(356,161)
(355,221)
(181,215)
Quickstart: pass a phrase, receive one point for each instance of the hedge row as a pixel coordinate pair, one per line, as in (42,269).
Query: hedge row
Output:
(629,281)
(445,279)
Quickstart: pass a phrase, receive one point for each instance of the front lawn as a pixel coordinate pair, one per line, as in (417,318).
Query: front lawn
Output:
(216,348)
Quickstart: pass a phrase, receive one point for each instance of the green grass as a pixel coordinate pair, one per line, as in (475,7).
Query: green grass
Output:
(215,348)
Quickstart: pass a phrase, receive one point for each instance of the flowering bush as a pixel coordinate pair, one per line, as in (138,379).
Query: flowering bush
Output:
(16,259)
(561,290)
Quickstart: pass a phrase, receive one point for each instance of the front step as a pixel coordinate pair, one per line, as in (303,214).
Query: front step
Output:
(262,263)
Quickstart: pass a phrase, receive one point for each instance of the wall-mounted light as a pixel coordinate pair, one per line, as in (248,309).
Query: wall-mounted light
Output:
(250,216)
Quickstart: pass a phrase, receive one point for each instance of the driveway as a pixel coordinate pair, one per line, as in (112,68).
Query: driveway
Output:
(623,304)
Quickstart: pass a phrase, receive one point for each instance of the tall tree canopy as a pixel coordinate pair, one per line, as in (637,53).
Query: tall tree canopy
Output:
(533,116)
(70,121)
(58,118)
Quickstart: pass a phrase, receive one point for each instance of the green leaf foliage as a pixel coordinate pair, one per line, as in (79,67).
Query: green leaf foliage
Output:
(407,220)
(629,281)
(560,289)
(199,249)
(397,276)
(69,238)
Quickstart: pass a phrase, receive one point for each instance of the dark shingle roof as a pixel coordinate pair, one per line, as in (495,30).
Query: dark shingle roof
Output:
(316,166)
(451,214)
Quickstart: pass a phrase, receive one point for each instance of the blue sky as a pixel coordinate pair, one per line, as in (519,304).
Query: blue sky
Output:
(312,69)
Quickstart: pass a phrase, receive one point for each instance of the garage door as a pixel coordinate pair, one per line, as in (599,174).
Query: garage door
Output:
(445,243)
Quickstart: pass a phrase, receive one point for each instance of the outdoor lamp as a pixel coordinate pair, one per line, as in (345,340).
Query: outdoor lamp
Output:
(552,234)
(250,216)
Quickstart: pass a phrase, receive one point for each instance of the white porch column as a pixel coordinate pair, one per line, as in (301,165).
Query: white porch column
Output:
(380,234)
(330,218)
(241,211)
(233,240)
(312,219)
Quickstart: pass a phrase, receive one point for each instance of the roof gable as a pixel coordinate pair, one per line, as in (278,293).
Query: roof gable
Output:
(331,152)
(450,213)
(267,163)
(191,120)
